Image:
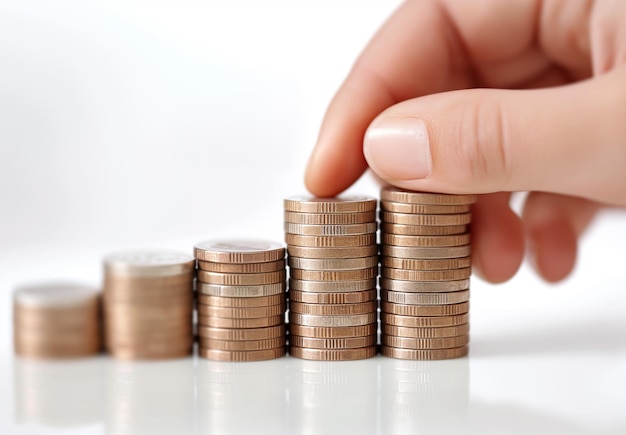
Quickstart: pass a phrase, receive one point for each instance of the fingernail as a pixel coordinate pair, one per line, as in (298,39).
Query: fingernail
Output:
(398,148)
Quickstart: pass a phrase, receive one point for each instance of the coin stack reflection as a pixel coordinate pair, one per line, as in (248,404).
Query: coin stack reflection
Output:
(56,320)
(148,305)
(241,300)
(333,265)
(425,272)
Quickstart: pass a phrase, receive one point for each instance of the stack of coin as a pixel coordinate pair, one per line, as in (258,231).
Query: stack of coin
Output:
(148,305)
(333,265)
(241,300)
(425,272)
(56,320)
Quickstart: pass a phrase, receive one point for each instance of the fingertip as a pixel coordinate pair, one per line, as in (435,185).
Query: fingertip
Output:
(553,247)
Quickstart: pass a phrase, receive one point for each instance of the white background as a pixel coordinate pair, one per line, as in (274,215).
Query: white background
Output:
(159,124)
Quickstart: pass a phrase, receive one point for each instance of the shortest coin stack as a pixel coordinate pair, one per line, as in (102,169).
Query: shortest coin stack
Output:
(241,300)
(425,272)
(58,320)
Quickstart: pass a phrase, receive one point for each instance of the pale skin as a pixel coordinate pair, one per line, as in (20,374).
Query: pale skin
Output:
(523,95)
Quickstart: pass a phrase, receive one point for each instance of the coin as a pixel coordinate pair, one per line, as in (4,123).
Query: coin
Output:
(242,334)
(426,241)
(426,219)
(334,275)
(333,263)
(425,298)
(243,345)
(333,298)
(225,322)
(332,354)
(402,331)
(333,309)
(144,284)
(425,343)
(434,264)
(331,241)
(243,313)
(330,230)
(331,321)
(148,264)
(425,253)
(426,275)
(422,230)
(243,291)
(242,356)
(261,301)
(270,266)
(333,332)
(240,278)
(403,207)
(239,251)
(422,321)
(395,194)
(424,354)
(347,252)
(156,351)
(333,343)
(348,204)
(331,286)
(424,310)
(424,286)
(330,219)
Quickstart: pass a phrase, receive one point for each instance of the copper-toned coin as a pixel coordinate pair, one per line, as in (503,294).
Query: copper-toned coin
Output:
(153,350)
(413,298)
(241,291)
(333,298)
(225,322)
(333,309)
(331,321)
(425,343)
(422,230)
(350,252)
(241,278)
(270,266)
(424,286)
(243,345)
(424,354)
(148,264)
(333,332)
(423,322)
(57,295)
(334,275)
(426,241)
(332,354)
(123,326)
(426,275)
(131,295)
(331,241)
(426,219)
(330,230)
(347,204)
(334,263)
(425,253)
(395,194)
(330,219)
(403,207)
(151,336)
(332,343)
(331,286)
(239,251)
(57,352)
(241,356)
(242,313)
(261,301)
(434,264)
(424,310)
(154,314)
(402,331)
(242,334)
(145,284)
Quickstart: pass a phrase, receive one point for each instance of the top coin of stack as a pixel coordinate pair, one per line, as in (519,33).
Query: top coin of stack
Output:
(425,272)
(333,265)
(56,320)
(241,299)
(148,305)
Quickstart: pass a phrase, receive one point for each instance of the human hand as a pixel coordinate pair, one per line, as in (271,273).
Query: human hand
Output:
(566,142)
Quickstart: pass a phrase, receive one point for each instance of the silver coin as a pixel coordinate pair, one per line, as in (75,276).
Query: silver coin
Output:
(331,321)
(148,263)
(424,286)
(412,252)
(241,291)
(54,295)
(333,263)
(331,286)
(330,230)
(413,298)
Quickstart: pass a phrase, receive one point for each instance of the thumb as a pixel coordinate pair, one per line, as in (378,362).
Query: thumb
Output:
(569,140)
